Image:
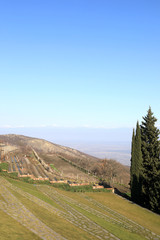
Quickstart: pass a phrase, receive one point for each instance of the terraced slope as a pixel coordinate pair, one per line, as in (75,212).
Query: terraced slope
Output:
(68,162)
(50,213)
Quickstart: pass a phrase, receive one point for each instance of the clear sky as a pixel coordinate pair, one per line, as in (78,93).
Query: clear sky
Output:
(75,63)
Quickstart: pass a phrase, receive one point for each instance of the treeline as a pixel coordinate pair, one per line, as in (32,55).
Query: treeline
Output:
(145,164)
(111,171)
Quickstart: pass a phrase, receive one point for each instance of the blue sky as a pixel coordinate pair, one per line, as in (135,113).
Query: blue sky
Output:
(92,63)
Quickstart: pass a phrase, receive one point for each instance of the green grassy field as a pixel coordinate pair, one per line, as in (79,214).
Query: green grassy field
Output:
(34,211)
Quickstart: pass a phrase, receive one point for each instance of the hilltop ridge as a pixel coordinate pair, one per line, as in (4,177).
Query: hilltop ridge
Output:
(65,162)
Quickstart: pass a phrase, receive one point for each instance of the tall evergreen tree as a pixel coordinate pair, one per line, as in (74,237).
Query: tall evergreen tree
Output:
(132,168)
(138,152)
(136,166)
(151,162)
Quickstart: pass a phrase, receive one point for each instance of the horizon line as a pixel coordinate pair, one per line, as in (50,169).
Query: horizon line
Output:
(68,127)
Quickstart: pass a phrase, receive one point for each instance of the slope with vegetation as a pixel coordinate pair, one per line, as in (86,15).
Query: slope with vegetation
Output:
(42,212)
(66,162)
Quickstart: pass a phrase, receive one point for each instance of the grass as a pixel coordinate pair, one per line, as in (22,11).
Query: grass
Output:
(67,187)
(58,224)
(13,175)
(134,212)
(11,229)
(4,166)
(53,167)
(31,188)
(130,210)
(87,188)
(116,230)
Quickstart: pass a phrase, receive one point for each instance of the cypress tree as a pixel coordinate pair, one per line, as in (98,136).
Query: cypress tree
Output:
(136,166)
(151,162)
(132,168)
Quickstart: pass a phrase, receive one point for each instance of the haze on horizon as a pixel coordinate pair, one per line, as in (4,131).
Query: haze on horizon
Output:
(101,143)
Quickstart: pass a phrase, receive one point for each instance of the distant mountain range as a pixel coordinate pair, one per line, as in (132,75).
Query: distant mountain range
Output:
(78,134)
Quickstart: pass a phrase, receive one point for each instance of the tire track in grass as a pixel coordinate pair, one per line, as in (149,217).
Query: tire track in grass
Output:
(13,207)
(114,218)
(134,226)
(72,216)
(78,218)
(68,215)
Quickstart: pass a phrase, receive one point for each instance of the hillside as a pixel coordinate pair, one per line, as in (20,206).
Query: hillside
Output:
(42,212)
(33,174)
(65,162)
